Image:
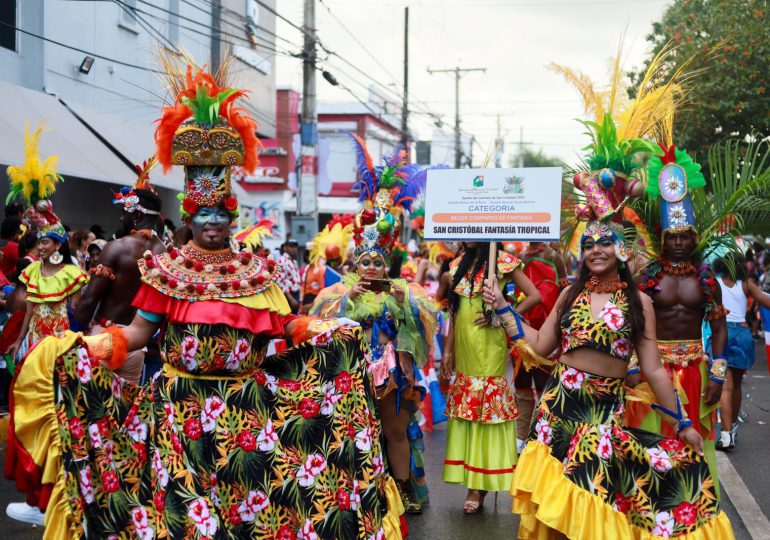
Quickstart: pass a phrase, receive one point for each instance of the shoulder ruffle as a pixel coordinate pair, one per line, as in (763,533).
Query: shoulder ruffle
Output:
(260,314)
(507,263)
(40,289)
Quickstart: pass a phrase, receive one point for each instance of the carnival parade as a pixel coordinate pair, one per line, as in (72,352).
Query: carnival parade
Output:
(255,286)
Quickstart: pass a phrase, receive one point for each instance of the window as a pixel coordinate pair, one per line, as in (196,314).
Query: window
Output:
(127,15)
(8,27)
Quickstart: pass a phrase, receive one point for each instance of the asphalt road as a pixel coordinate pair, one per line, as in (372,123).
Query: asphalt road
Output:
(444,519)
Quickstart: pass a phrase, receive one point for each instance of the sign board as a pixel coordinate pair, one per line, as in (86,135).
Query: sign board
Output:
(493,204)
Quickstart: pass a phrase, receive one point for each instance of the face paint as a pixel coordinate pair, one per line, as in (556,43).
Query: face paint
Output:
(211,214)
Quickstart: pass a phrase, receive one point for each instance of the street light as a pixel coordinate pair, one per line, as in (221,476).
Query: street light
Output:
(85,65)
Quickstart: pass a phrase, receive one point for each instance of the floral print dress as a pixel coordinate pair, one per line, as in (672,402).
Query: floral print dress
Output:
(222,443)
(586,475)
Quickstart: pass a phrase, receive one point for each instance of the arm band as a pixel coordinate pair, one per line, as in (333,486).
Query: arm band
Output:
(155,318)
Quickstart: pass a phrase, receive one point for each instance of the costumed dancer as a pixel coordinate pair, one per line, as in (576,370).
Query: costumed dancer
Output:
(116,279)
(399,319)
(327,253)
(52,284)
(222,442)
(684,292)
(481,435)
(582,474)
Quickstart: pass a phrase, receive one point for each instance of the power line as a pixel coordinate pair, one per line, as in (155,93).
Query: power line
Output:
(78,49)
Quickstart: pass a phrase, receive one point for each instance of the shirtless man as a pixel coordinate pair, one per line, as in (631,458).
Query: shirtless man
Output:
(115,280)
(683,296)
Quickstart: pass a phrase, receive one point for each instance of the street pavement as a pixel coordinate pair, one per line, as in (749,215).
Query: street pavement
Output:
(443,518)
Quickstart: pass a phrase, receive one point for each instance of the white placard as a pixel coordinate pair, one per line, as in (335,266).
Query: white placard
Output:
(493,204)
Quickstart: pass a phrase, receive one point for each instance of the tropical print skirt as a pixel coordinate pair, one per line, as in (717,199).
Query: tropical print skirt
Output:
(584,474)
(290,450)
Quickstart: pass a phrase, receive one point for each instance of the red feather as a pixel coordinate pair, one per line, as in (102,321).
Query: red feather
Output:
(367,157)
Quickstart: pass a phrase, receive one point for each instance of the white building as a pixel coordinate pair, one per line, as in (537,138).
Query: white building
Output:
(88,69)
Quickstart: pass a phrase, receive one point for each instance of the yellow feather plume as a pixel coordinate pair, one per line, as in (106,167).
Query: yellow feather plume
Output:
(651,113)
(338,236)
(34,180)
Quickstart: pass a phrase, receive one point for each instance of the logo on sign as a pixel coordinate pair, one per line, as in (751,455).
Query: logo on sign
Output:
(514,184)
(478,181)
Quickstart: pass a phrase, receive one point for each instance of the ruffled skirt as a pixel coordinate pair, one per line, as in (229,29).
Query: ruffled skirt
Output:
(289,450)
(583,474)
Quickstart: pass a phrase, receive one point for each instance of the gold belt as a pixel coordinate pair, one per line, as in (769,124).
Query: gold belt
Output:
(681,353)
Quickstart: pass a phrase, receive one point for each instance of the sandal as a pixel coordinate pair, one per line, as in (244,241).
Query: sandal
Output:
(411,506)
(474,507)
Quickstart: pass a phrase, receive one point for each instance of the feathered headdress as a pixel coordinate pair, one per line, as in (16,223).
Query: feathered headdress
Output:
(333,241)
(254,236)
(204,131)
(387,192)
(617,127)
(35,181)
(438,252)
(140,197)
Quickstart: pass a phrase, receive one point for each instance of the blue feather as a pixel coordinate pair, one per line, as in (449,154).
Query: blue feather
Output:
(413,186)
(367,183)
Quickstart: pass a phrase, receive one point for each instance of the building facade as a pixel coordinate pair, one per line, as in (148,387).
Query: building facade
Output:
(89,70)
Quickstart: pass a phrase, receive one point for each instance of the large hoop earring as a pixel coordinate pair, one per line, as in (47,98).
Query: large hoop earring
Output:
(56,258)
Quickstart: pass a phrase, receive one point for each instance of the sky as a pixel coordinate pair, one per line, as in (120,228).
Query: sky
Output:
(513,39)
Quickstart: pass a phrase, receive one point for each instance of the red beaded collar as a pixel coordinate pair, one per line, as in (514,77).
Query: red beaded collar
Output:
(191,273)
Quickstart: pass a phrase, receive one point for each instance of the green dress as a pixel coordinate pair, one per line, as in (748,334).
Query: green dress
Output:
(481,434)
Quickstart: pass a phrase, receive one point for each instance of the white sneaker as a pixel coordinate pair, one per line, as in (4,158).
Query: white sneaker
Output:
(26,513)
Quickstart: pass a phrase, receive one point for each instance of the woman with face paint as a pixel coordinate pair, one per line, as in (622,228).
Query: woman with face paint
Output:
(224,442)
(583,475)
(399,320)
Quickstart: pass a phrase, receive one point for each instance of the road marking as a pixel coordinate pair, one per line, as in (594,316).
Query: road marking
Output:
(745,504)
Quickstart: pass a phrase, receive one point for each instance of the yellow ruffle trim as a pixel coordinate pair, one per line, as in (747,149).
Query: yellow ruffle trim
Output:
(545,499)
(36,427)
(271,299)
(40,289)
(392,522)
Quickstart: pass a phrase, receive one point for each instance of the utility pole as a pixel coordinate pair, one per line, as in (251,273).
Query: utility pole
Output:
(405,108)
(216,35)
(307,193)
(499,145)
(458,73)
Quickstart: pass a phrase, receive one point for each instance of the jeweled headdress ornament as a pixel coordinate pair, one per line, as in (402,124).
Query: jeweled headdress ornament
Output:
(35,181)
(140,197)
(387,192)
(672,176)
(206,133)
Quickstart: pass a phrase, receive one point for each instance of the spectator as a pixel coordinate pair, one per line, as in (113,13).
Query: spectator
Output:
(98,231)
(10,233)
(94,250)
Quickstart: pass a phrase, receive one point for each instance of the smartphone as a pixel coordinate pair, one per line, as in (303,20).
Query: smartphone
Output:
(378,285)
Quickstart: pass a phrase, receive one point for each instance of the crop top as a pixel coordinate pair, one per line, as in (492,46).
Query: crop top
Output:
(608,333)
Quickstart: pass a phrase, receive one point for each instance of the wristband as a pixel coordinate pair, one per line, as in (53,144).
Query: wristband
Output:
(504,310)
(513,321)
(633,365)
(684,423)
(718,370)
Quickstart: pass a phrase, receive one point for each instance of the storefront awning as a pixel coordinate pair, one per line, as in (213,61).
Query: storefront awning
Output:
(81,154)
(133,139)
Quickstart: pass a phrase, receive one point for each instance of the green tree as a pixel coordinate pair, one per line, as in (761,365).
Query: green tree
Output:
(532,158)
(731,93)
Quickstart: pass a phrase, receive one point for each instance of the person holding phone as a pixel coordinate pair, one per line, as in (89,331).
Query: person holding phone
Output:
(398,318)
